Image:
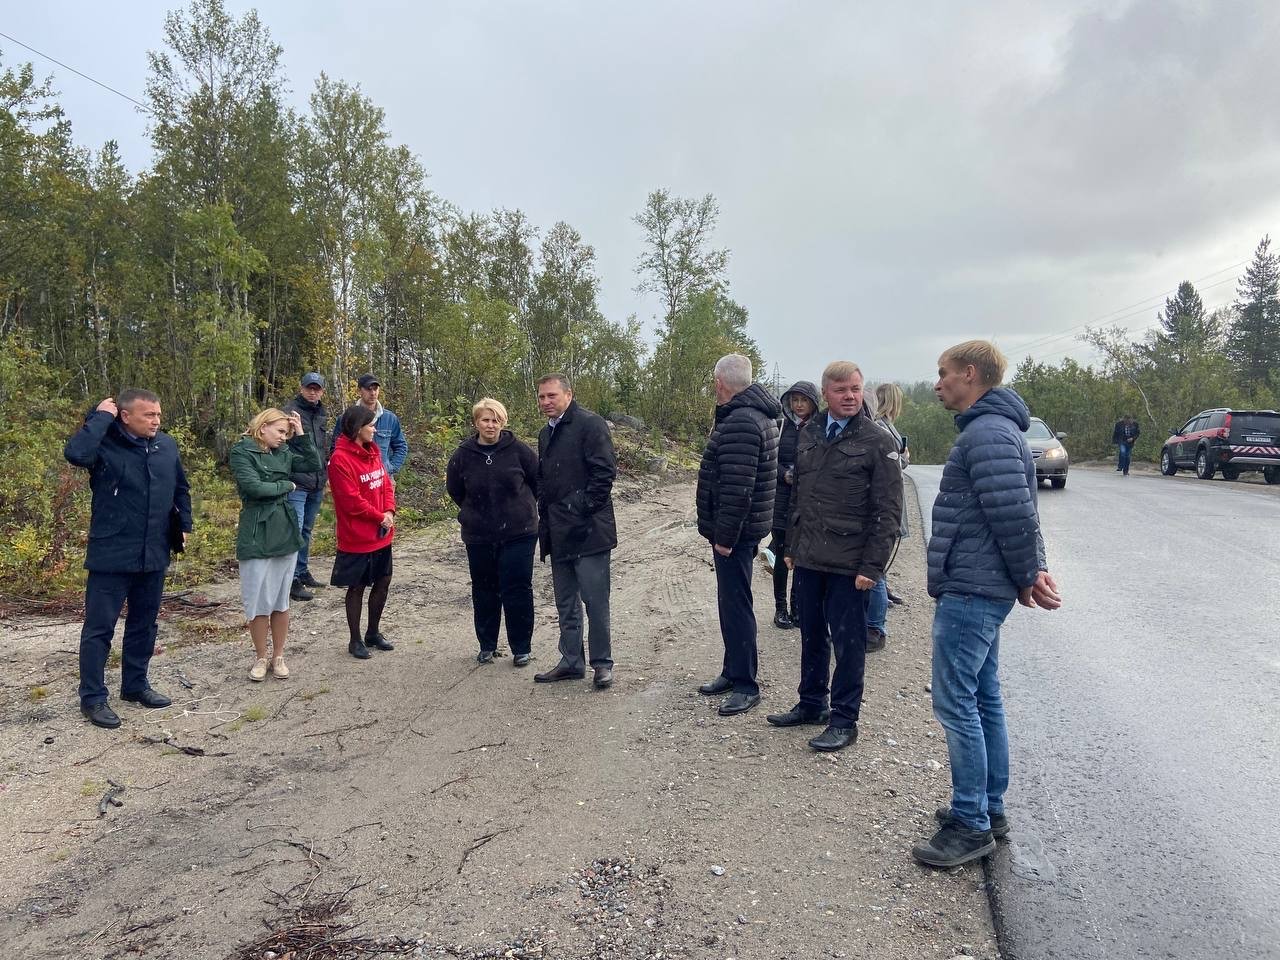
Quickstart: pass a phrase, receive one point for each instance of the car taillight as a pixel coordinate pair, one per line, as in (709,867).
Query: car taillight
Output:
(1226,426)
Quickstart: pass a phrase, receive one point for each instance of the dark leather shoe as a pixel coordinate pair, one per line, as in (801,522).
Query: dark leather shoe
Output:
(782,620)
(718,685)
(484,656)
(100,715)
(379,642)
(953,845)
(875,638)
(307,580)
(738,702)
(299,592)
(603,677)
(559,673)
(796,717)
(834,738)
(148,698)
(895,599)
(358,650)
(521,659)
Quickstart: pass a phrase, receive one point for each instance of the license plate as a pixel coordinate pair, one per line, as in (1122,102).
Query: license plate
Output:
(1259,440)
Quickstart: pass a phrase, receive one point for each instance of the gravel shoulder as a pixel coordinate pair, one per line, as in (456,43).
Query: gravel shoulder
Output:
(460,807)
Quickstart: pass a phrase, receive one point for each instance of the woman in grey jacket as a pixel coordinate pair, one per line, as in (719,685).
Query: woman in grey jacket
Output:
(888,406)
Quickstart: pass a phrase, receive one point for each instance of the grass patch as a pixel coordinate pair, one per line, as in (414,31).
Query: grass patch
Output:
(255,713)
(312,694)
(61,855)
(37,693)
(234,725)
(91,788)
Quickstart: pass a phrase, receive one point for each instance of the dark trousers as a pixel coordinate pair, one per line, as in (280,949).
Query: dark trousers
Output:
(833,613)
(104,597)
(780,571)
(502,582)
(738,616)
(578,583)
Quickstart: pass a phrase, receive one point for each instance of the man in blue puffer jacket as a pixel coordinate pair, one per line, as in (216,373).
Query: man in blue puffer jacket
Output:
(985,552)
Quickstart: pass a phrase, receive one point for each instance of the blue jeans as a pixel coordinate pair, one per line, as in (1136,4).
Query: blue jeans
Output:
(104,597)
(1122,461)
(736,607)
(878,606)
(306,504)
(967,702)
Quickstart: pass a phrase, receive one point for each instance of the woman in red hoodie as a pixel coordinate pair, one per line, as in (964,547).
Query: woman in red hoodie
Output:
(364,502)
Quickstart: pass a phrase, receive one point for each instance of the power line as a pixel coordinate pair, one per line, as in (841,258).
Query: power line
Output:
(78,73)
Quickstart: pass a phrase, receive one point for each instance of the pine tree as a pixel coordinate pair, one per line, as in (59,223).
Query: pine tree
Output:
(1253,343)
(1185,329)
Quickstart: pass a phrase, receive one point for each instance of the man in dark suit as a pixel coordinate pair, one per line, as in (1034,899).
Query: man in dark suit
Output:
(845,507)
(737,482)
(576,528)
(140,500)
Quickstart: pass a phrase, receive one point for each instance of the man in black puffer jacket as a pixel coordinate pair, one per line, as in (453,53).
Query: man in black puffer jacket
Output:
(736,487)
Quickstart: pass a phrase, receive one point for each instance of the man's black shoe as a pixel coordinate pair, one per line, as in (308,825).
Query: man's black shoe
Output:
(718,685)
(953,845)
(603,677)
(484,656)
(834,738)
(148,698)
(875,638)
(299,592)
(307,580)
(560,672)
(796,717)
(378,642)
(895,599)
(738,702)
(358,650)
(999,822)
(521,659)
(100,715)
(782,620)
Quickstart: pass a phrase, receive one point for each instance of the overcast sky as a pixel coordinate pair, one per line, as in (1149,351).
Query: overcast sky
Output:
(890,180)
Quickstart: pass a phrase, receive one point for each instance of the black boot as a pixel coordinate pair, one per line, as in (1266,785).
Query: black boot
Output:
(782,620)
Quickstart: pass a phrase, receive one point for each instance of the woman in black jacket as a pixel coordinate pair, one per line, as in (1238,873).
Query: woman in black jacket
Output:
(493,478)
(798,405)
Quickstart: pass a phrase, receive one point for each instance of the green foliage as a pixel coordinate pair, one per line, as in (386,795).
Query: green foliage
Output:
(1253,342)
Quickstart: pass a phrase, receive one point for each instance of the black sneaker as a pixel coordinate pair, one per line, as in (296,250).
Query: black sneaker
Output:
(875,638)
(953,845)
(999,822)
(782,620)
(299,592)
(484,656)
(307,580)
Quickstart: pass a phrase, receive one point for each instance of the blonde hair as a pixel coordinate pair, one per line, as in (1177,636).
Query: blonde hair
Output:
(488,403)
(888,401)
(982,355)
(263,420)
(839,370)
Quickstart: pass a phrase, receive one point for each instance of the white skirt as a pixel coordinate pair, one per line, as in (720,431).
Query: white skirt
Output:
(265,583)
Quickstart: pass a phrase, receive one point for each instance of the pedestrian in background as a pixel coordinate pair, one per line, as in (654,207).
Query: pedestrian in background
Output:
(737,481)
(493,478)
(888,407)
(364,506)
(986,552)
(799,403)
(1124,435)
(141,512)
(308,491)
(273,449)
(576,527)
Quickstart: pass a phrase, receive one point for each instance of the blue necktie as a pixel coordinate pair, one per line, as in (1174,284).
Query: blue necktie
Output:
(833,431)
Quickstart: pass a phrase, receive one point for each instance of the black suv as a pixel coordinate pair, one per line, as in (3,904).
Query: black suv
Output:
(1232,441)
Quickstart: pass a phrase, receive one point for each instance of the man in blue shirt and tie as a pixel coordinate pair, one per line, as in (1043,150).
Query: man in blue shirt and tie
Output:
(845,505)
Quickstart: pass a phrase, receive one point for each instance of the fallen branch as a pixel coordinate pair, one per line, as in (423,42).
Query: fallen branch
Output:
(465,776)
(189,751)
(109,798)
(479,842)
(481,746)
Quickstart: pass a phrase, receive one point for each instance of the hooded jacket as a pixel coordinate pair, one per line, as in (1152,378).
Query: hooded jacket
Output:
(576,470)
(986,529)
(268,525)
(846,499)
(791,425)
(362,494)
(136,485)
(738,476)
(496,489)
(315,424)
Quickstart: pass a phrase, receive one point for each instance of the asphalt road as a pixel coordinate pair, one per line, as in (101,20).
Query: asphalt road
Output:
(1144,719)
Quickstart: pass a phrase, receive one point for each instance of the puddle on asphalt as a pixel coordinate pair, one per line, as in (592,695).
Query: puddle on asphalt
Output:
(1028,860)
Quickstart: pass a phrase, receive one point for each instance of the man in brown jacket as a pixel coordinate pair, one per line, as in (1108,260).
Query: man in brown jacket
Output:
(845,505)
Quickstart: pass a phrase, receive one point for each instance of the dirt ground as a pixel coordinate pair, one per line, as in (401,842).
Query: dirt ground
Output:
(438,807)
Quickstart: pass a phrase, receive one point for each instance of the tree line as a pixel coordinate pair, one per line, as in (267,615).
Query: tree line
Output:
(1191,359)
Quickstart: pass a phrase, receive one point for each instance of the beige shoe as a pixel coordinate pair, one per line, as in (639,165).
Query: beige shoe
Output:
(258,671)
(278,669)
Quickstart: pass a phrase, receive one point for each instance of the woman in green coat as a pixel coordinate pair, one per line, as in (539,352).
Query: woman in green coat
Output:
(268,538)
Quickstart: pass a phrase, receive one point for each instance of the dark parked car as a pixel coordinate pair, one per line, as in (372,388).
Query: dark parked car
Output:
(1230,441)
(1051,456)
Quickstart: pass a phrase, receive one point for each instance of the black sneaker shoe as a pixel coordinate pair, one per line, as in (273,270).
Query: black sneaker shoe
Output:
(953,845)
(875,638)
(782,620)
(377,641)
(299,592)
(521,659)
(484,656)
(999,822)
(307,580)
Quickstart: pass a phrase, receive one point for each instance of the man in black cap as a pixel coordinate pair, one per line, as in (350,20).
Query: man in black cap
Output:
(389,436)
(308,491)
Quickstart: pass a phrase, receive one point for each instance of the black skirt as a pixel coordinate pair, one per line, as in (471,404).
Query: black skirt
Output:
(360,569)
